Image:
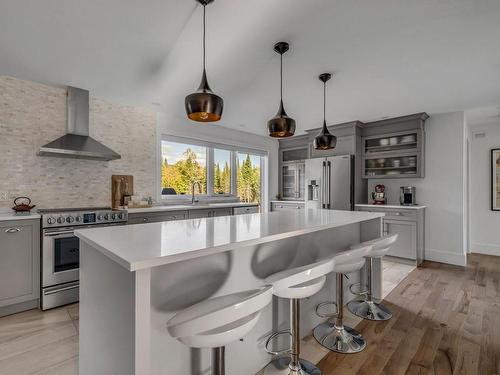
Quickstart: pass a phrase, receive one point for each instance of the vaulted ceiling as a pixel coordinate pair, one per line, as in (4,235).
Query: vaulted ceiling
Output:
(388,57)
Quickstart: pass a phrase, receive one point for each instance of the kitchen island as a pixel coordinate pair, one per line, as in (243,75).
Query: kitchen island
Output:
(134,278)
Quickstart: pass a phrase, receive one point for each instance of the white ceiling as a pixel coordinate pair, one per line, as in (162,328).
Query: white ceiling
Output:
(389,57)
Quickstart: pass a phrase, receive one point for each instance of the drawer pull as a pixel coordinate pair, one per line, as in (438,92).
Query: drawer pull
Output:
(398,214)
(145,219)
(12,230)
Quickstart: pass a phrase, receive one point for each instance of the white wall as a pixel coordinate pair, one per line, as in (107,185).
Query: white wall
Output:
(485,224)
(174,126)
(442,189)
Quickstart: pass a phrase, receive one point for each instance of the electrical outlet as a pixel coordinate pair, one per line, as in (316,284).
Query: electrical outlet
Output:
(4,195)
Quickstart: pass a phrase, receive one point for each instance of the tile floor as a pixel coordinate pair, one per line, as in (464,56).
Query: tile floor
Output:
(46,343)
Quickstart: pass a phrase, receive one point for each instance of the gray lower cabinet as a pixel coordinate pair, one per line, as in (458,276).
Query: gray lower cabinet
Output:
(210,212)
(245,210)
(19,265)
(406,244)
(156,217)
(409,224)
(282,206)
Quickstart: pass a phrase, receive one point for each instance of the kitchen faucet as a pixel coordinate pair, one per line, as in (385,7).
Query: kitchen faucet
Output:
(193,201)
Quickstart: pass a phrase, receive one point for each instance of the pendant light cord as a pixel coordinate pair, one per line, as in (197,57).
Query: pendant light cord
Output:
(281,74)
(324,102)
(204,37)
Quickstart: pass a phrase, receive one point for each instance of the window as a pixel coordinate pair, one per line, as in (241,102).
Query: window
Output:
(182,165)
(221,171)
(249,178)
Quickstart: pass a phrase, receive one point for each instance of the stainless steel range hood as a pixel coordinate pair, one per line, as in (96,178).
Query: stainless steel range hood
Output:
(77,143)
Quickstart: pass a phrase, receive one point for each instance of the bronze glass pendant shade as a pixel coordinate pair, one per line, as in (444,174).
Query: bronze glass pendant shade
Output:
(324,140)
(281,125)
(204,105)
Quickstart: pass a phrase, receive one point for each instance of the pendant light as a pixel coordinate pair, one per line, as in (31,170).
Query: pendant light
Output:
(203,105)
(281,125)
(325,140)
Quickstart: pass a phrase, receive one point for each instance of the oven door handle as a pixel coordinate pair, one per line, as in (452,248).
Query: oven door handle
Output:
(49,292)
(54,234)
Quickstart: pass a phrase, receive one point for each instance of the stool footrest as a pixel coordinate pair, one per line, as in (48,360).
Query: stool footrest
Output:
(359,292)
(272,337)
(322,305)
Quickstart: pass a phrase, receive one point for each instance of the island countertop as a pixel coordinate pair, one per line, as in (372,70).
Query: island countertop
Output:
(144,246)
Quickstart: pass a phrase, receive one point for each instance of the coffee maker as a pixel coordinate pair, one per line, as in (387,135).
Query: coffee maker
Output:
(407,195)
(378,195)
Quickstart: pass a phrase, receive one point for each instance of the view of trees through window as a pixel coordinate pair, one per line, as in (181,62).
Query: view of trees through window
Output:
(182,164)
(222,171)
(248,178)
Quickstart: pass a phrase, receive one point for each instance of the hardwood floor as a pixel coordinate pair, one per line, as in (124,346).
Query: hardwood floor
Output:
(446,321)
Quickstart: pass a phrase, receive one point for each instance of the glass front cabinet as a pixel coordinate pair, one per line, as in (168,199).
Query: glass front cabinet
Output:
(394,155)
(292,187)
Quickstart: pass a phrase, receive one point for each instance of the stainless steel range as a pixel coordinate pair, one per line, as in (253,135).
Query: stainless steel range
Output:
(60,250)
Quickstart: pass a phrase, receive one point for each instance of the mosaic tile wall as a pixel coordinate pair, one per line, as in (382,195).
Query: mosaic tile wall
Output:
(33,114)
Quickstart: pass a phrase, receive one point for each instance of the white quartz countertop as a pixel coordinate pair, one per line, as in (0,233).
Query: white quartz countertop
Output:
(397,206)
(181,207)
(144,246)
(11,215)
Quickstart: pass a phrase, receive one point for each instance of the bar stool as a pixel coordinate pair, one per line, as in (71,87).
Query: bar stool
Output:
(368,309)
(295,284)
(218,321)
(333,334)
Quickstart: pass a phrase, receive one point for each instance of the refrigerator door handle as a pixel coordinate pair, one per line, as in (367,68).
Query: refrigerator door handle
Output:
(329,184)
(323,187)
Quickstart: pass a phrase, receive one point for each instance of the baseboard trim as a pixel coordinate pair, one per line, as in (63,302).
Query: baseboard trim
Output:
(448,257)
(485,248)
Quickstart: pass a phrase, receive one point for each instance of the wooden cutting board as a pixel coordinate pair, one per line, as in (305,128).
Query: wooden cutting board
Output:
(121,185)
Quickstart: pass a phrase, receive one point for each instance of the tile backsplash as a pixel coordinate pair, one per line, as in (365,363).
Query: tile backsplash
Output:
(32,114)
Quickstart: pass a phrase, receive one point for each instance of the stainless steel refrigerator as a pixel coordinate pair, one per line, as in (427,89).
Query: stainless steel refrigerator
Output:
(330,183)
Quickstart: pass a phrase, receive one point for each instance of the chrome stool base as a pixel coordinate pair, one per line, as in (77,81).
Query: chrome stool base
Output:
(281,366)
(339,339)
(369,310)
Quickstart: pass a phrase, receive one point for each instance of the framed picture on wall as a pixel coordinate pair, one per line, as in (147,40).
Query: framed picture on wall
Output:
(495,179)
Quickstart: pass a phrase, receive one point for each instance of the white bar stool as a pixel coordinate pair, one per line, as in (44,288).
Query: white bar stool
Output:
(218,321)
(295,284)
(333,334)
(368,309)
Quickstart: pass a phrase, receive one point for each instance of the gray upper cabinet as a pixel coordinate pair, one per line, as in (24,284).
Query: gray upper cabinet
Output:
(345,145)
(394,148)
(19,263)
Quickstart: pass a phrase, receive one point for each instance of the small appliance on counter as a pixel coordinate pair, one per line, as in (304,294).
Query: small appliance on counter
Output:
(378,195)
(407,195)
(22,206)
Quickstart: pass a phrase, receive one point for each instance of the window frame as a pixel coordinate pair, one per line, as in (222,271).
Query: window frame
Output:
(210,170)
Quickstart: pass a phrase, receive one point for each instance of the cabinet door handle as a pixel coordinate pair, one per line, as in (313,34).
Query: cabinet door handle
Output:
(12,230)
(145,219)
(398,214)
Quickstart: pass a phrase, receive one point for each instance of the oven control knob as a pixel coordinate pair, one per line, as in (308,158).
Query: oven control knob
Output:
(51,220)
(78,219)
(60,220)
(100,217)
(121,216)
(70,219)
(113,217)
(106,217)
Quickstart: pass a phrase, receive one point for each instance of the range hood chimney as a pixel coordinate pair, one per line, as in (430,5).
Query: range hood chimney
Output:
(77,143)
